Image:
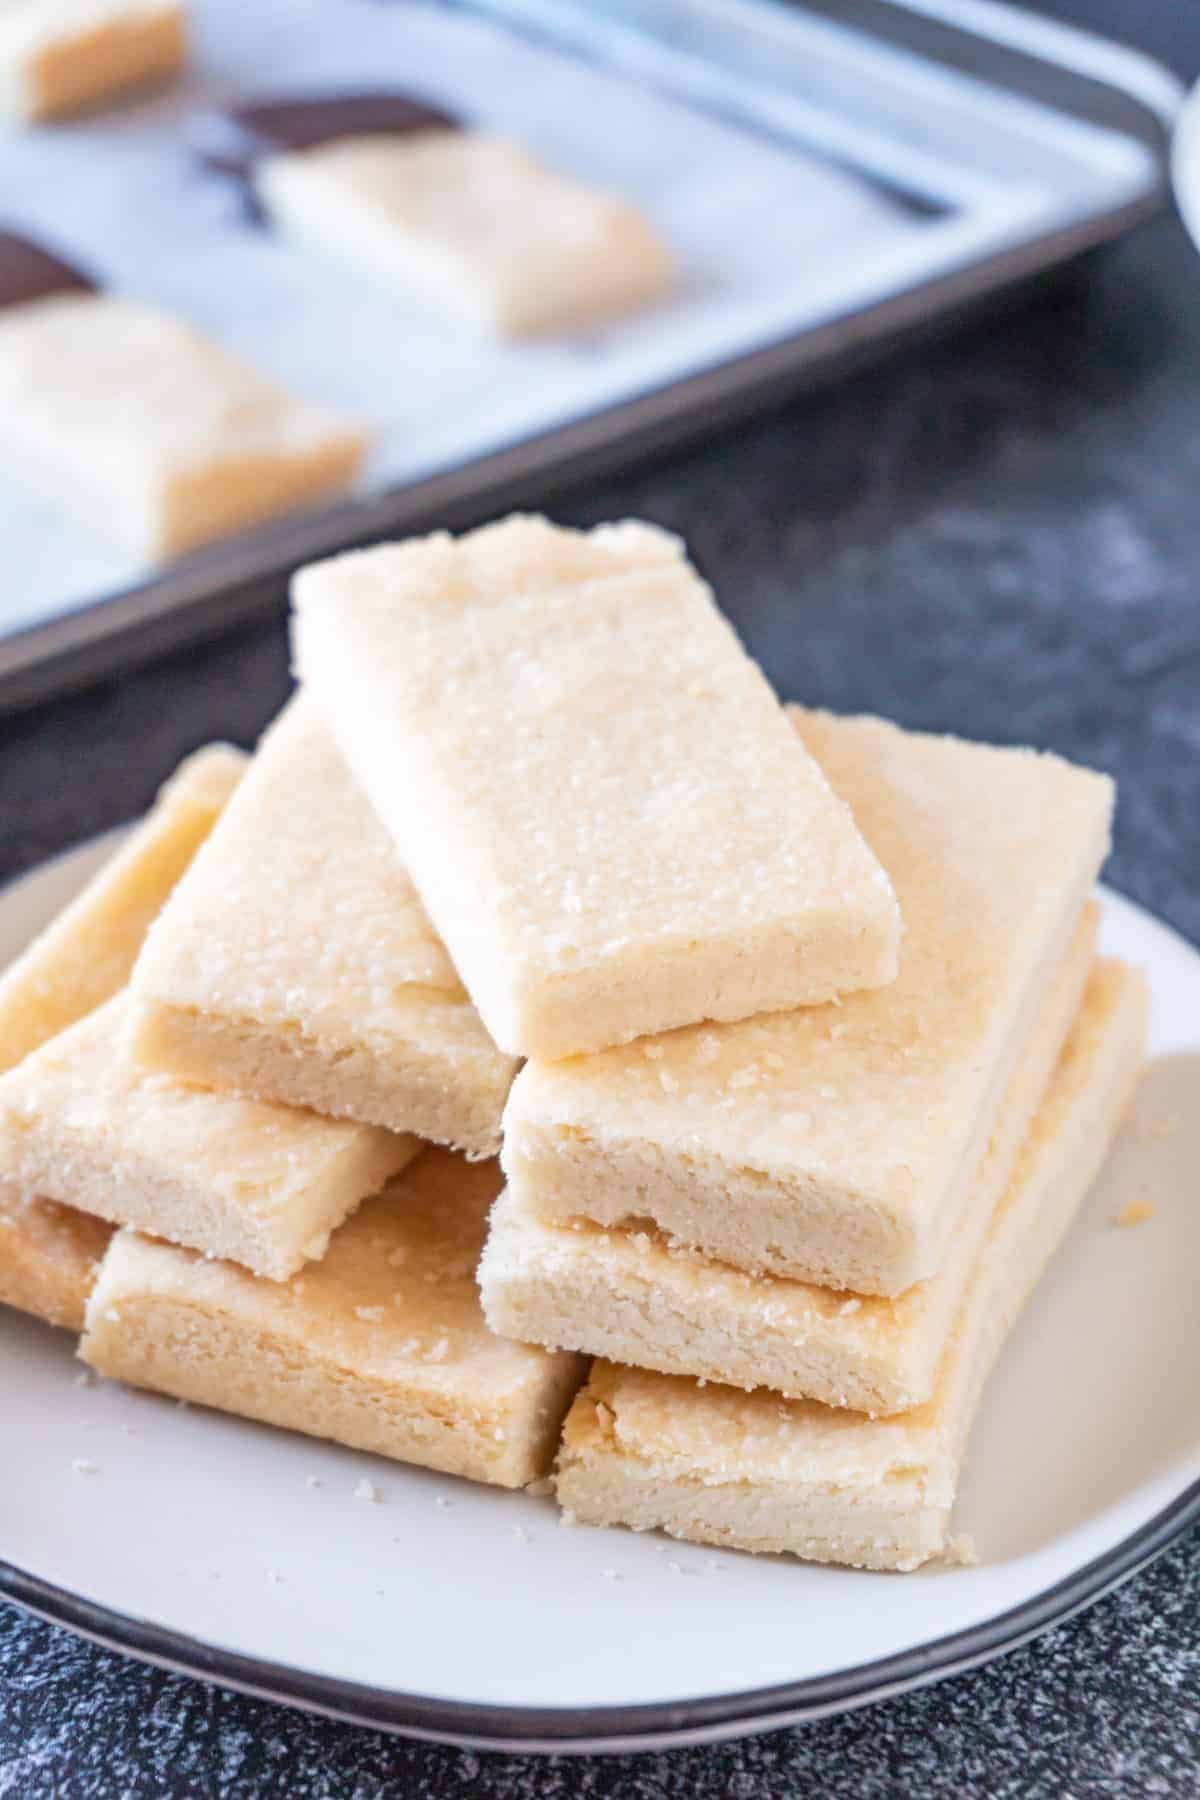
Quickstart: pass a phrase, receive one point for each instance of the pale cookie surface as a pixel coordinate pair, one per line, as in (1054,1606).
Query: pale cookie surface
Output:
(49,1255)
(471,222)
(837,1144)
(296,963)
(755,1472)
(381,1345)
(608,817)
(87,953)
(164,439)
(629,1296)
(60,56)
(261,1184)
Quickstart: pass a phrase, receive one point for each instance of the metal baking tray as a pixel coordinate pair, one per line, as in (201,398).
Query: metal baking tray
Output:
(1012,143)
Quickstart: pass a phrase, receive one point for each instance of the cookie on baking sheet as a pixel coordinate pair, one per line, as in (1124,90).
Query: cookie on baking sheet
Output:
(468,220)
(132,417)
(473,222)
(59,57)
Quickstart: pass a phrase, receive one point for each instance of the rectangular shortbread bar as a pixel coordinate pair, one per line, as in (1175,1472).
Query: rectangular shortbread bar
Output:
(603,807)
(262,1184)
(839,1144)
(163,438)
(472,223)
(382,1345)
(87,953)
(49,1256)
(296,963)
(756,1472)
(60,56)
(49,1253)
(627,1296)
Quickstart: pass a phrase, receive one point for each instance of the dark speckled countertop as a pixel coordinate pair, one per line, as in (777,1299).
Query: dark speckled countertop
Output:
(998,535)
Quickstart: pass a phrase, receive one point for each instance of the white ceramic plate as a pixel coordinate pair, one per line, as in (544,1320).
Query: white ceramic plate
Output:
(1185,162)
(240,1553)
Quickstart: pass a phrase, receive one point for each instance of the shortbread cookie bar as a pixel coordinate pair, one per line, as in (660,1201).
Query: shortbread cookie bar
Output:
(49,1256)
(755,1472)
(628,1296)
(161,437)
(840,1144)
(49,1253)
(605,811)
(382,1345)
(472,223)
(87,953)
(62,56)
(295,962)
(264,1185)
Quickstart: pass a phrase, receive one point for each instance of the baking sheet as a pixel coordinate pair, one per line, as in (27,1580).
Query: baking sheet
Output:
(755,224)
(836,175)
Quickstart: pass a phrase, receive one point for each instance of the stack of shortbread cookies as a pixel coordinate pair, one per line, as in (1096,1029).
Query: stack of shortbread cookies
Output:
(775,1047)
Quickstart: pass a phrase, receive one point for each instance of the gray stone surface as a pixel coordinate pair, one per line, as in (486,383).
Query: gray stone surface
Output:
(999,535)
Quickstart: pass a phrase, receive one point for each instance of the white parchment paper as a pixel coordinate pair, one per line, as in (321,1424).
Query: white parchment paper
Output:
(763,234)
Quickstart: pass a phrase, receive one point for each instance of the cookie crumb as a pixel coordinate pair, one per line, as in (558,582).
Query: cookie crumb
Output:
(366,1490)
(1136,1213)
(82,1466)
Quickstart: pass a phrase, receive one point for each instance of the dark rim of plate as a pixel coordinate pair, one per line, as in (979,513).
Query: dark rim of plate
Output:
(607,1727)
